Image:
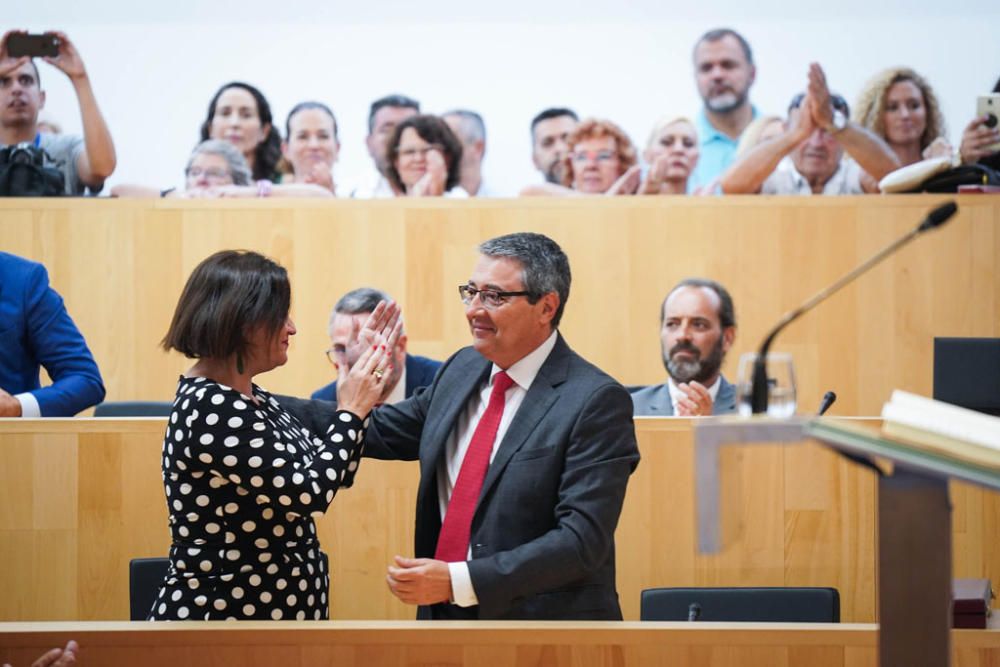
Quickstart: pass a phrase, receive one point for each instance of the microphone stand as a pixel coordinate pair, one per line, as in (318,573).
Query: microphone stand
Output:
(759,389)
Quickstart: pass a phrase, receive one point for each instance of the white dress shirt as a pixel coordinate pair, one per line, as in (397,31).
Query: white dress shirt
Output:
(523,373)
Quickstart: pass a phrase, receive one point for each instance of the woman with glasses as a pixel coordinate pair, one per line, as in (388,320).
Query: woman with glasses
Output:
(601,161)
(217,169)
(424,158)
(243,478)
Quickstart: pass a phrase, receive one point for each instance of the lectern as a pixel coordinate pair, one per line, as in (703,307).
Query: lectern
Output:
(914,522)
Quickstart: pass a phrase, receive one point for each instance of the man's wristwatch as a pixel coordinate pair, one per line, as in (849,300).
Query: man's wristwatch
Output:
(838,122)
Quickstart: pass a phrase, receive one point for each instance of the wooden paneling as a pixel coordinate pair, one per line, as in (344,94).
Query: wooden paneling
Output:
(121,264)
(482,644)
(80,497)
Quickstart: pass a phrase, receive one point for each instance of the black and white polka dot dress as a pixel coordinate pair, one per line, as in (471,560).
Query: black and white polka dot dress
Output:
(243,482)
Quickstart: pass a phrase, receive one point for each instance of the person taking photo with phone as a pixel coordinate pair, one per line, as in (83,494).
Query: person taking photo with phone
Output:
(85,162)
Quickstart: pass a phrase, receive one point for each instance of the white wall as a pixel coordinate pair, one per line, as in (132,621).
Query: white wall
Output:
(154,75)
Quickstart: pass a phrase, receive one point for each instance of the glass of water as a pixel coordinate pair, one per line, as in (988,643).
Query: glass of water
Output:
(780,384)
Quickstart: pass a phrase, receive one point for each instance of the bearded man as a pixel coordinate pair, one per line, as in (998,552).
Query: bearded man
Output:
(724,72)
(697,329)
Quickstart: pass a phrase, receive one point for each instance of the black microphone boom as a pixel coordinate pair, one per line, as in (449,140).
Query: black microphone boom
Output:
(758,391)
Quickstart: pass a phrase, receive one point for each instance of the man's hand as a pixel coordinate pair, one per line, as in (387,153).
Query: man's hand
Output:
(68,60)
(7,63)
(820,107)
(57,657)
(801,123)
(9,406)
(696,401)
(976,138)
(420,580)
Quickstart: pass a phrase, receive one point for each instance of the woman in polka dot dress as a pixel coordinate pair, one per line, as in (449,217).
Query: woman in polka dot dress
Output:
(243,478)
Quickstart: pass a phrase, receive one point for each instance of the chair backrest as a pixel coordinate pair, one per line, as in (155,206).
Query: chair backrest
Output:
(967,373)
(134,409)
(779,605)
(145,577)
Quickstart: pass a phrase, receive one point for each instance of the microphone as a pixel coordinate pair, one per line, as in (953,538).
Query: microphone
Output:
(824,405)
(694,611)
(758,390)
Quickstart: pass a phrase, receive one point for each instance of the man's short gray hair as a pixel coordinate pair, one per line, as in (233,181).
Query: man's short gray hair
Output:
(360,301)
(236,164)
(544,265)
(473,127)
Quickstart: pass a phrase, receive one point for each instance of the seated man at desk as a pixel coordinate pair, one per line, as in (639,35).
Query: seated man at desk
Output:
(697,329)
(36,331)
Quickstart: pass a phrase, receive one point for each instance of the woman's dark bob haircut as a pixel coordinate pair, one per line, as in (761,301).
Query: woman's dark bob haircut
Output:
(227,296)
(433,130)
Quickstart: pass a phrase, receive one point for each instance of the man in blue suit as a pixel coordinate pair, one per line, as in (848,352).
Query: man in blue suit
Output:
(36,330)
(697,329)
(409,371)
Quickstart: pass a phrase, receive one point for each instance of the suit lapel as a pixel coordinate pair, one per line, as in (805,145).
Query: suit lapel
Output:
(536,404)
(455,391)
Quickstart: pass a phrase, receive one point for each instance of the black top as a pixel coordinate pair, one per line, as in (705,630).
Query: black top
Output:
(243,481)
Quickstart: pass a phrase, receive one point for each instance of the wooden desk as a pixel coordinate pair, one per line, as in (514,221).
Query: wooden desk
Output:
(80,497)
(120,265)
(486,644)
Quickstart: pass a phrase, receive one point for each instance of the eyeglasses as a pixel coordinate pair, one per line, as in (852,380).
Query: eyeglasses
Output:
(581,157)
(411,153)
(490,298)
(211,173)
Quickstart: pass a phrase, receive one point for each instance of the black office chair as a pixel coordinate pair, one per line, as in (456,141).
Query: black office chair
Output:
(777,605)
(134,409)
(145,576)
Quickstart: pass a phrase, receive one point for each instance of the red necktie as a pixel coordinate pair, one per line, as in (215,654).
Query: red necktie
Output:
(453,542)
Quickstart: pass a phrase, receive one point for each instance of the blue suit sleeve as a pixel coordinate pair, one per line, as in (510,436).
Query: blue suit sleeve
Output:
(60,348)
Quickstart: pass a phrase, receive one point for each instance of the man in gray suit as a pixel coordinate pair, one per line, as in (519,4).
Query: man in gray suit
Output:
(697,329)
(525,452)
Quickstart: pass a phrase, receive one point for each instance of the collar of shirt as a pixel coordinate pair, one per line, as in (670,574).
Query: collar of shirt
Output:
(837,184)
(675,392)
(523,371)
(708,133)
(398,392)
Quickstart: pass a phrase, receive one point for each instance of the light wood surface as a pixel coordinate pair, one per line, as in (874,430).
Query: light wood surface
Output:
(80,497)
(484,644)
(120,266)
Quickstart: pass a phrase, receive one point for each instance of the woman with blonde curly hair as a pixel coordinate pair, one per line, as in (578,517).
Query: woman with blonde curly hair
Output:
(601,160)
(900,106)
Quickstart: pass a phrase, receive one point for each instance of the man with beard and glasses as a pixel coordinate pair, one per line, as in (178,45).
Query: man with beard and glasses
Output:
(697,328)
(723,72)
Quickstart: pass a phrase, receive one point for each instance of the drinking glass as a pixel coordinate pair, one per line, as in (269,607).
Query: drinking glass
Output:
(780,384)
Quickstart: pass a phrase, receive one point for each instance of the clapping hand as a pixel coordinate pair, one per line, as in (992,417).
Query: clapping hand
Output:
(696,401)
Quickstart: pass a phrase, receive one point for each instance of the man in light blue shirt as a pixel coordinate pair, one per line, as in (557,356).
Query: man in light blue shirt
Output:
(724,72)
